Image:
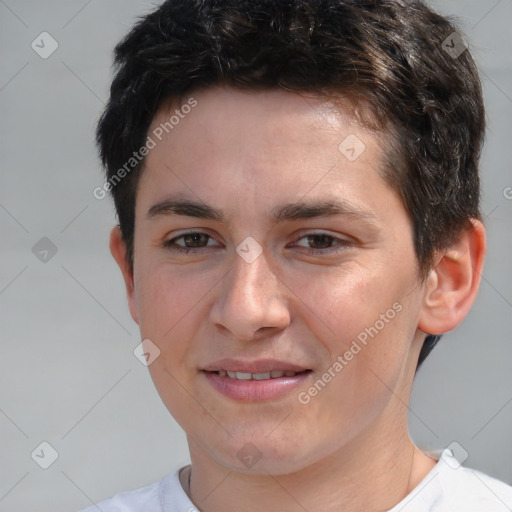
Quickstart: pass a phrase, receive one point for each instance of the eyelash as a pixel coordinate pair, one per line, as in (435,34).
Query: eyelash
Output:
(339,242)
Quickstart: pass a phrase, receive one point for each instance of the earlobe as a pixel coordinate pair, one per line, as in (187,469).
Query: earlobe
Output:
(118,251)
(453,282)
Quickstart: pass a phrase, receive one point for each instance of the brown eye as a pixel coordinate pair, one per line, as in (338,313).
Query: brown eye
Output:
(195,239)
(322,243)
(188,242)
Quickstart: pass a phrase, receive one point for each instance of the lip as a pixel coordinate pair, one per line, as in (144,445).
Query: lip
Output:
(255,366)
(255,390)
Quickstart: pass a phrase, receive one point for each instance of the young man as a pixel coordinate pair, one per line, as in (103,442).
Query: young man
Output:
(298,199)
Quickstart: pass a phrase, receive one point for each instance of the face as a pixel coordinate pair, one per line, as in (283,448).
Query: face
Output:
(267,245)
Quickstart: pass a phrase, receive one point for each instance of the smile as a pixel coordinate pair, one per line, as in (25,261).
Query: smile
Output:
(258,382)
(274,374)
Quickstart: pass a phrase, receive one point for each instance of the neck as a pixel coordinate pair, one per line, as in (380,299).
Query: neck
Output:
(372,474)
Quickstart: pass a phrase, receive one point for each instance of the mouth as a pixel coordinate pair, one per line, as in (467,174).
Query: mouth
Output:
(252,381)
(274,374)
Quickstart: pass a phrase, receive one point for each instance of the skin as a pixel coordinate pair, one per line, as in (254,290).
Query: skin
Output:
(246,154)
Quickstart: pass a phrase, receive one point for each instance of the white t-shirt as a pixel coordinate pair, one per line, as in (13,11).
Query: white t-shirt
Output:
(448,487)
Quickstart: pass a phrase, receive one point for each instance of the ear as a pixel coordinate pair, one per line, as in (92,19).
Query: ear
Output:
(453,282)
(118,250)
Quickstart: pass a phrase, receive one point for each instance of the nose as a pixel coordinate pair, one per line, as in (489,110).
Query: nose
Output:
(251,301)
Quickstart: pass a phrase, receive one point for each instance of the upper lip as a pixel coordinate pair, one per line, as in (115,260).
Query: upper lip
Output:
(255,366)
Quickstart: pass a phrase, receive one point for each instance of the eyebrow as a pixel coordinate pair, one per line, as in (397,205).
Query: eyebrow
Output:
(290,211)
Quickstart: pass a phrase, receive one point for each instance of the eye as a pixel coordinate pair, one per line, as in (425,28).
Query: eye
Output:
(322,243)
(189,242)
(312,242)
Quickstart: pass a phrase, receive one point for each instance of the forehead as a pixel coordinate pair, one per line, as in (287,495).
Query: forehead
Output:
(240,113)
(225,141)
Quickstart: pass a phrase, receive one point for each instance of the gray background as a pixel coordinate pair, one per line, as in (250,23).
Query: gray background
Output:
(67,372)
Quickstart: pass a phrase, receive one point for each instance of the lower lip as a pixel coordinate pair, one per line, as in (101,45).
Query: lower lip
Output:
(255,390)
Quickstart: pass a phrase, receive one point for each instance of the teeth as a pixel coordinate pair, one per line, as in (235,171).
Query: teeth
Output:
(261,376)
(243,376)
(274,374)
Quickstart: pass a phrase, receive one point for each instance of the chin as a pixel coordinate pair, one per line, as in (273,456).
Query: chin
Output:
(264,455)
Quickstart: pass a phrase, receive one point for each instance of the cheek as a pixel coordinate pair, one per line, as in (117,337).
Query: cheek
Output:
(362,377)
(341,305)
(170,305)
(365,320)
(166,297)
